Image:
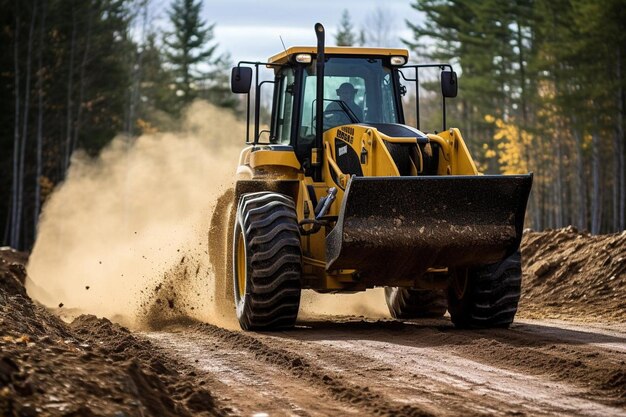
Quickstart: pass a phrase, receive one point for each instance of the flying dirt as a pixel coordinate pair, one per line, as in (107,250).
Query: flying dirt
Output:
(114,228)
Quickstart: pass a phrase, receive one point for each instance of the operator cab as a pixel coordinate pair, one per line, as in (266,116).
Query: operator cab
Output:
(360,86)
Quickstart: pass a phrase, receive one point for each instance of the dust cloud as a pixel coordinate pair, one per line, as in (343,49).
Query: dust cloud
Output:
(370,304)
(126,235)
(111,233)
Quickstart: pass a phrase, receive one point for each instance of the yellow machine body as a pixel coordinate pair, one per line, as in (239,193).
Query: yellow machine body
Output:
(344,196)
(271,168)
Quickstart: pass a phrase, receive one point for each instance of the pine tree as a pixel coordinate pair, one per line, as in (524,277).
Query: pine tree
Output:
(216,88)
(542,89)
(379,28)
(189,52)
(157,101)
(362,41)
(345,36)
(55,55)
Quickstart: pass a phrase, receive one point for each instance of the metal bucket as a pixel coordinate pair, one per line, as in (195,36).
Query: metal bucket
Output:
(401,226)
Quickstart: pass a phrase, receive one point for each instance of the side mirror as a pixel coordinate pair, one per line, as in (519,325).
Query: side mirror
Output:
(241,80)
(449,86)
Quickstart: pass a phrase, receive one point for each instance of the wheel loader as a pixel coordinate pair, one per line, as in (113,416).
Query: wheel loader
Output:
(340,195)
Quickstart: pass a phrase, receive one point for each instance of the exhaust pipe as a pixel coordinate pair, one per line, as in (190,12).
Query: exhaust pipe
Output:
(316,156)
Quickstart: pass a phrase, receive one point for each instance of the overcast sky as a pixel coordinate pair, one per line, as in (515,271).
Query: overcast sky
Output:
(250,30)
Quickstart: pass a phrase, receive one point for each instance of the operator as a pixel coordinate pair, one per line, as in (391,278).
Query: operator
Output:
(346,93)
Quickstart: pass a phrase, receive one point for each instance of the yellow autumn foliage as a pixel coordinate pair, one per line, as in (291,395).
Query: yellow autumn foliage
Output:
(512,145)
(146,127)
(489,153)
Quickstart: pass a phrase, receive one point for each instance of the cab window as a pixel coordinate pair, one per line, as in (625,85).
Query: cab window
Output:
(356,90)
(284,107)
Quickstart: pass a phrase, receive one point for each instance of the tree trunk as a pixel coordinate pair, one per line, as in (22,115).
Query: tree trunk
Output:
(522,74)
(7,227)
(537,193)
(16,130)
(596,200)
(70,81)
(558,190)
(136,75)
(618,152)
(81,89)
(558,150)
(22,168)
(581,183)
(39,168)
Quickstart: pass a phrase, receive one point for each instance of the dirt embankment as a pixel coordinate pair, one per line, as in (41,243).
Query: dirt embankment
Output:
(573,275)
(91,367)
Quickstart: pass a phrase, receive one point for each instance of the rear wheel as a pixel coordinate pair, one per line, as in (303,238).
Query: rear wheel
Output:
(266,261)
(487,296)
(409,303)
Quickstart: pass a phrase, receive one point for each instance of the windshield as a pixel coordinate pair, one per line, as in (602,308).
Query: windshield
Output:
(356,90)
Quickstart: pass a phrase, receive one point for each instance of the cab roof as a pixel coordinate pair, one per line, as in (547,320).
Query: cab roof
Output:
(283,57)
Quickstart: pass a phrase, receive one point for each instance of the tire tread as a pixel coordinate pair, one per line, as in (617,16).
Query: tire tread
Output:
(272,299)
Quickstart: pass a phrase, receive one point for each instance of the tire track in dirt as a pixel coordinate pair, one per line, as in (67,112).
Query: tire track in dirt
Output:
(611,337)
(288,369)
(572,356)
(243,387)
(412,368)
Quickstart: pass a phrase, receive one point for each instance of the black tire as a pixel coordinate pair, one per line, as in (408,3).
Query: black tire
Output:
(267,261)
(409,303)
(488,296)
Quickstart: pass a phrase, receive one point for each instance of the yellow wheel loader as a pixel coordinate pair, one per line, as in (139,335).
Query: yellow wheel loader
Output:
(340,195)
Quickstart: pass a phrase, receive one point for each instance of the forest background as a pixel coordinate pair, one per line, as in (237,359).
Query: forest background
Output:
(541,89)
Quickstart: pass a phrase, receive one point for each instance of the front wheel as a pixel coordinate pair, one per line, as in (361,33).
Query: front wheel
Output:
(266,261)
(487,296)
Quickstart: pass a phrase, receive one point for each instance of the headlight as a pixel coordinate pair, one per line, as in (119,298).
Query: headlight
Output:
(398,60)
(303,58)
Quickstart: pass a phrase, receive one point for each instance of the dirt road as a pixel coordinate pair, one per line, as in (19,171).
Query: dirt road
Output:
(564,355)
(348,366)
(353,366)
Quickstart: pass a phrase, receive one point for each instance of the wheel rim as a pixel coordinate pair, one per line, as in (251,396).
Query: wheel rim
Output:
(460,283)
(242,269)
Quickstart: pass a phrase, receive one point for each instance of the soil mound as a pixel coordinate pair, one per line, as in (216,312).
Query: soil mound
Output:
(90,368)
(569,274)
(12,270)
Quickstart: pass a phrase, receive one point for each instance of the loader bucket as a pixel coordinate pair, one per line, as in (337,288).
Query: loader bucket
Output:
(401,226)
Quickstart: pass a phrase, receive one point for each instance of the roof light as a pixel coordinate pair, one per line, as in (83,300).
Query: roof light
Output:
(398,60)
(303,58)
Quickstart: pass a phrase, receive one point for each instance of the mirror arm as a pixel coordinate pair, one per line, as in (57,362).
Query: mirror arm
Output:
(417,99)
(442,67)
(443,108)
(417,92)
(256,97)
(257,103)
(247,117)
(257,137)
